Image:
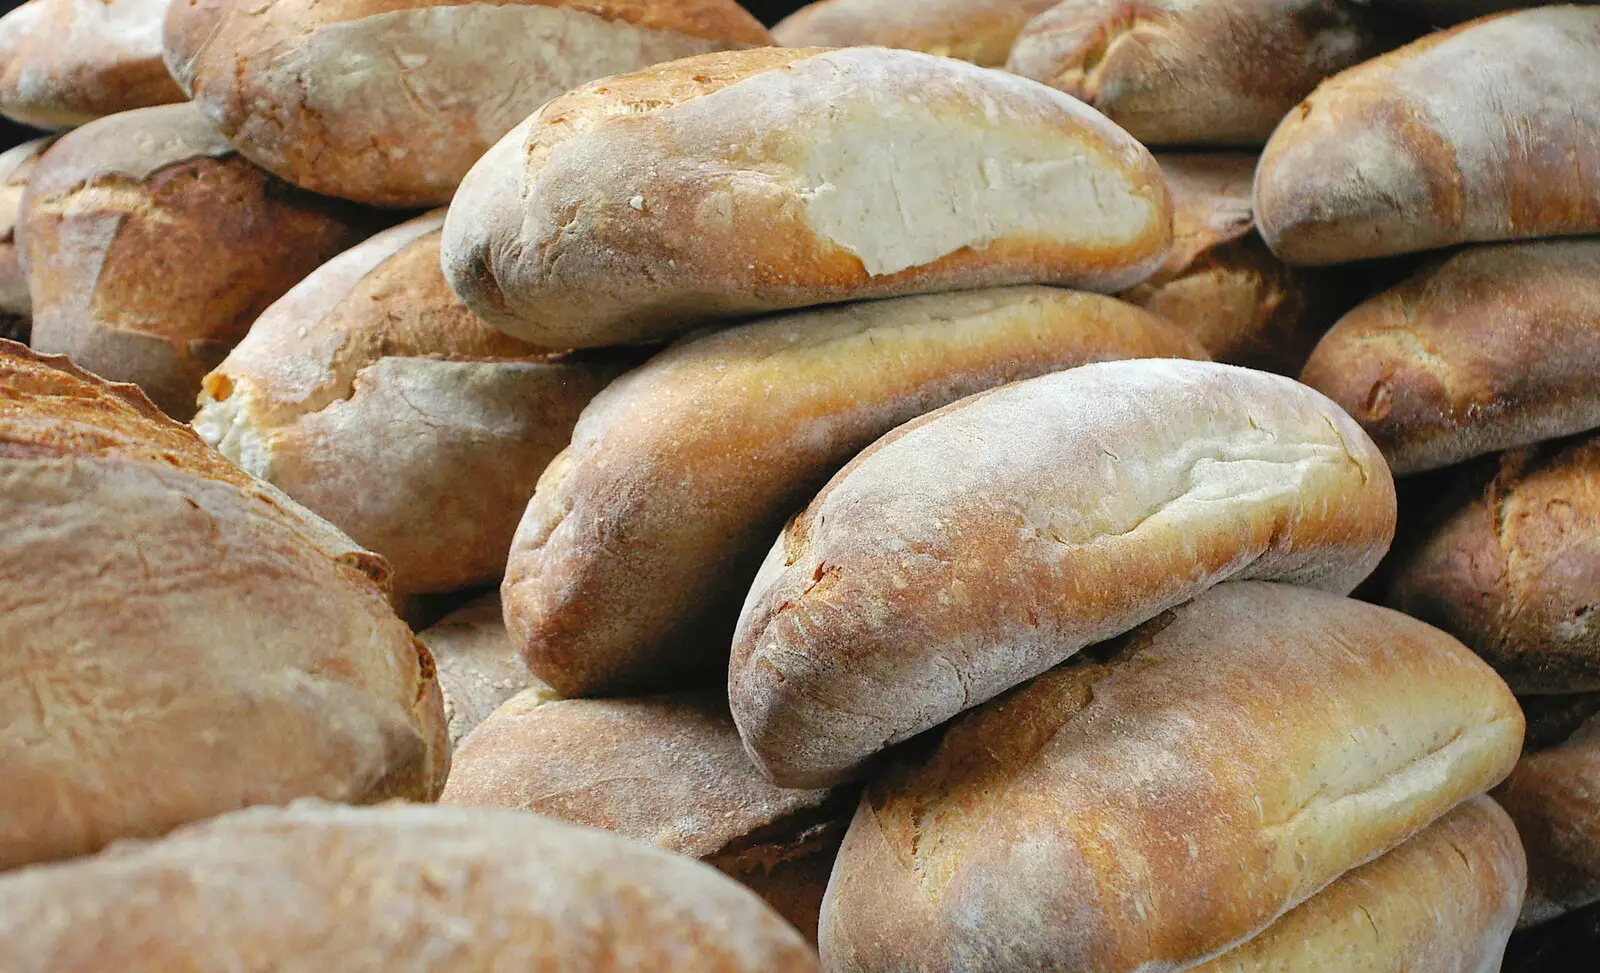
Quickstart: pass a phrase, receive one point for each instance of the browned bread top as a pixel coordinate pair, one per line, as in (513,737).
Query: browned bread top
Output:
(980,31)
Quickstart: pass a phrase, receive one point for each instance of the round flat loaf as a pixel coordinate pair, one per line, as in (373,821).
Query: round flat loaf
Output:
(735,183)
(632,560)
(390,102)
(1171,796)
(980,31)
(1552,797)
(976,547)
(1490,348)
(1197,72)
(67,62)
(178,639)
(371,394)
(151,246)
(479,667)
(1513,569)
(389,890)
(1454,138)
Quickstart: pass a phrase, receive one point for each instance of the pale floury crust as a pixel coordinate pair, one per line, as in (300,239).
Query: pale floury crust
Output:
(1551,796)
(732,183)
(187,640)
(1450,139)
(1171,795)
(479,667)
(16,165)
(390,890)
(980,31)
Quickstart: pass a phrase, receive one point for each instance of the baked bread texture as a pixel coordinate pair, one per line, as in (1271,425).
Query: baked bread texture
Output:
(478,666)
(1551,796)
(16,165)
(980,31)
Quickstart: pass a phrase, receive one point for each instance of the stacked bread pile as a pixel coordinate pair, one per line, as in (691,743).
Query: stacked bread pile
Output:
(807,505)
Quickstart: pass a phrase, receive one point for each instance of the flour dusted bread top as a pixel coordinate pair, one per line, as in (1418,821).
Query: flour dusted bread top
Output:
(479,667)
(980,31)
(740,182)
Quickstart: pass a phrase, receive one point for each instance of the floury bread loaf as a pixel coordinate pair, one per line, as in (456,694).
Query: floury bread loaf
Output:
(371,394)
(150,247)
(734,183)
(1454,138)
(67,62)
(980,31)
(629,567)
(389,102)
(976,547)
(388,890)
(16,165)
(179,639)
(1197,72)
(1490,348)
(478,666)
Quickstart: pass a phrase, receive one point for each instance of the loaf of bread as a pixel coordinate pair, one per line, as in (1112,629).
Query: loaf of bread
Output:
(1451,139)
(371,394)
(980,31)
(665,770)
(1220,282)
(979,545)
(388,890)
(1493,347)
(1443,902)
(151,245)
(67,62)
(1197,72)
(1513,569)
(754,181)
(631,562)
(16,165)
(1552,795)
(478,665)
(180,640)
(389,102)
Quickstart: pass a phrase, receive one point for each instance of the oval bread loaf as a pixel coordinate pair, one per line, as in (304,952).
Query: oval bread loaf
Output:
(179,639)
(1171,797)
(1552,797)
(980,31)
(371,394)
(1491,348)
(151,246)
(1454,138)
(733,183)
(631,562)
(389,890)
(478,665)
(977,546)
(390,102)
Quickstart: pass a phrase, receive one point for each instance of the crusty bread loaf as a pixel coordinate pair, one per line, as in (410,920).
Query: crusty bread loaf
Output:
(16,310)
(1552,795)
(151,245)
(631,562)
(371,394)
(388,890)
(1450,139)
(1197,72)
(1220,282)
(180,640)
(980,31)
(666,770)
(1513,570)
(67,62)
(736,183)
(1443,902)
(389,102)
(1172,796)
(980,545)
(1493,347)
(478,665)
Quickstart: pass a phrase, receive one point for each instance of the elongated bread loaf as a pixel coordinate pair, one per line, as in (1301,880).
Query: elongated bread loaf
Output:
(1450,139)
(478,665)
(980,31)
(1491,348)
(1552,795)
(980,545)
(1513,569)
(736,183)
(1197,72)
(151,246)
(68,62)
(666,770)
(1443,902)
(1170,798)
(631,562)
(390,102)
(179,639)
(371,394)
(388,890)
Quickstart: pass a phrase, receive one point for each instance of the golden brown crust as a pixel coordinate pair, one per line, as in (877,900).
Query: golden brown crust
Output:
(1212,770)
(1514,568)
(1551,796)
(1491,348)
(452,890)
(980,31)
